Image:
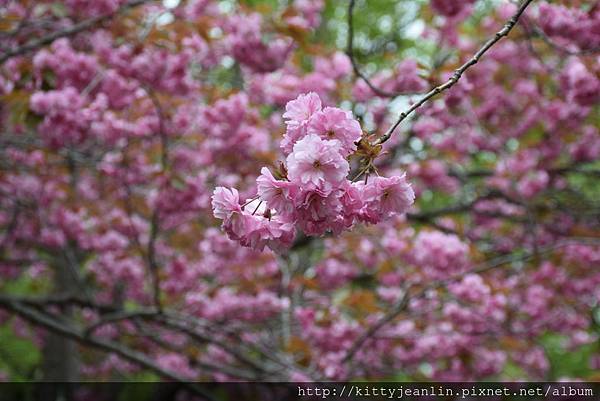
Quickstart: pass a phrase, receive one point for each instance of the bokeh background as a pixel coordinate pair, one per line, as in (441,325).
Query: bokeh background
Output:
(119,118)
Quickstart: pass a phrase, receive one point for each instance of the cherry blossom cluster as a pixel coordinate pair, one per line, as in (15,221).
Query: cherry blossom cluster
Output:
(250,48)
(571,25)
(305,14)
(311,191)
(451,8)
(581,85)
(279,87)
(440,255)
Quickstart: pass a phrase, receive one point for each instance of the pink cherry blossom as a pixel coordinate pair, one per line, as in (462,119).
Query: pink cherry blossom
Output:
(278,194)
(298,113)
(248,46)
(450,8)
(581,85)
(335,124)
(225,201)
(440,254)
(318,163)
(385,197)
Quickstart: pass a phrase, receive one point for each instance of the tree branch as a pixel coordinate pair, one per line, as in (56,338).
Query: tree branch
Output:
(351,55)
(41,319)
(403,303)
(72,30)
(459,72)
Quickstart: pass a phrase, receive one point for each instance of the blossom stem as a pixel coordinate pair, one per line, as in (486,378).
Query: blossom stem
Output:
(257,206)
(250,201)
(369,165)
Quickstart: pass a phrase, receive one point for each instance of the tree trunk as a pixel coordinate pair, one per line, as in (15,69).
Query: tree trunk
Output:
(60,354)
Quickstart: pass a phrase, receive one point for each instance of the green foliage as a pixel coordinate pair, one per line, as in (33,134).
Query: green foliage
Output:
(19,357)
(564,362)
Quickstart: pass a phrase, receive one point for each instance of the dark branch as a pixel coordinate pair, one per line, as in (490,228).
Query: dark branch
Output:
(459,72)
(351,55)
(41,319)
(70,31)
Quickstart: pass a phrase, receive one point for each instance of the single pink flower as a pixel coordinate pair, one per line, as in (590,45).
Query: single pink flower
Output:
(278,194)
(238,224)
(336,124)
(282,233)
(317,205)
(302,108)
(225,201)
(352,201)
(256,231)
(317,163)
(297,113)
(386,197)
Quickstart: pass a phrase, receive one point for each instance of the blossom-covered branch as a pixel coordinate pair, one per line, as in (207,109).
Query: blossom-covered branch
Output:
(406,298)
(82,26)
(458,73)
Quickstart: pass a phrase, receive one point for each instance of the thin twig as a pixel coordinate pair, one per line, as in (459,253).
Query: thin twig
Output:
(155,222)
(459,72)
(152,263)
(162,132)
(355,66)
(118,317)
(256,208)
